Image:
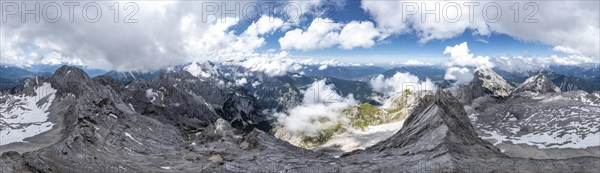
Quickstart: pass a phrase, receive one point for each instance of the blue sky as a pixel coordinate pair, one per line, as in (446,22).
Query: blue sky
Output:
(363,31)
(404,47)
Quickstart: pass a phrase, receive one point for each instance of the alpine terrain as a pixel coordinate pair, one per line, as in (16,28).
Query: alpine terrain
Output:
(182,121)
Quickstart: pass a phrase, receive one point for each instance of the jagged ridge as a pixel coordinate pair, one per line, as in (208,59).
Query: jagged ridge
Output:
(439,118)
(539,83)
(485,82)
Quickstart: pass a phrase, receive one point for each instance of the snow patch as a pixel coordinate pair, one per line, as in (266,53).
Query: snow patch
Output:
(241,82)
(131,137)
(196,70)
(255,83)
(150,94)
(26,115)
(131,106)
(354,139)
(113,116)
(323,67)
(547,139)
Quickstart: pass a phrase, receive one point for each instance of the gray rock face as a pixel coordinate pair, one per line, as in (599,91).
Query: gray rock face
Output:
(437,137)
(261,152)
(175,99)
(68,79)
(13,162)
(566,120)
(537,117)
(105,132)
(485,82)
(277,93)
(437,117)
(493,83)
(192,102)
(537,84)
(241,110)
(101,131)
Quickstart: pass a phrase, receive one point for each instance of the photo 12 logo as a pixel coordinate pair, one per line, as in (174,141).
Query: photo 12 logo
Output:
(411,11)
(250,10)
(71,11)
(455,11)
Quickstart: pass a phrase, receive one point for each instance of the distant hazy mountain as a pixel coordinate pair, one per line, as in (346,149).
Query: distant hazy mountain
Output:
(11,77)
(49,69)
(342,72)
(539,83)
(423,72)
(130,76)
(572,83)
(435,73)
(567,78)
(537,118)
(201,119)
(588,71)
(14,72)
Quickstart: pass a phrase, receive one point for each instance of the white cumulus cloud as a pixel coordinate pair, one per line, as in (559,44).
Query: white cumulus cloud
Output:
(165,34)
(400,82)
(325,33)
(573,24)
(358,34)
(459,75)
(271,64)
(320,102)
(323,67)
(461,56)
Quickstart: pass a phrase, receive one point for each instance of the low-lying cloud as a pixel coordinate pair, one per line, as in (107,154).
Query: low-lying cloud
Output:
(459,75)
(572,25)
(320,102)
(400,82)
(461,60)
(325,33)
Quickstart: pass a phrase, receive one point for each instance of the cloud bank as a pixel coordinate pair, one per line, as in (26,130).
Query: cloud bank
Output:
(461,56)
(400,82)
(461,59)
(166,33)
(325,33)
(572,25)
(320,102)
(177,32)
(459,75)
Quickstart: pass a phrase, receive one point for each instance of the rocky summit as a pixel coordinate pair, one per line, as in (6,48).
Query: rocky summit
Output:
(540,83)
(176,88)
(179,122)
(485,82)
(438,137)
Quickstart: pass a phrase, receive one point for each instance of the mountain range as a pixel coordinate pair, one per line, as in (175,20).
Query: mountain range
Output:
(206,117)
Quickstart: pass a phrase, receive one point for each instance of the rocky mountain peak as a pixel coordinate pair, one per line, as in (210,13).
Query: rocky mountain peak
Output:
(70,72)
(492,82)
(485,82)
(487,74)
(70,79)
(539,83)
(437,126)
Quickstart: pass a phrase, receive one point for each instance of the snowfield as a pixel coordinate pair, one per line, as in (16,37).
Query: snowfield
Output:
(554,120)
(548,139)
(354,139)
(25,116)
